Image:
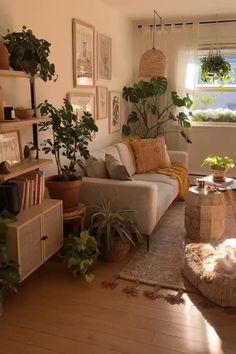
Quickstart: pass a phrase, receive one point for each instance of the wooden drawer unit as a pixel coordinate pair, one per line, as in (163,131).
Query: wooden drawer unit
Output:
(36,235)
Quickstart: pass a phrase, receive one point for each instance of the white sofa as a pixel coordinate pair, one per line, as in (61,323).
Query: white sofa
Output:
(150,194)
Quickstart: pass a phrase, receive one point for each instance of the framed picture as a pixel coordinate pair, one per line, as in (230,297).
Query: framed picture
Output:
(102,102)
(114,111)
(83,101)
(10,147)
(83,53)
(103,57)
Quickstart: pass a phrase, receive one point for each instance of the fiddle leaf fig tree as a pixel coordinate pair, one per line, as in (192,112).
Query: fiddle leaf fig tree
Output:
(149,115)
(70,136)
(29,54)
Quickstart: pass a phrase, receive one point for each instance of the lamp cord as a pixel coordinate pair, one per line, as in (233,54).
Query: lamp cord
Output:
(155,13)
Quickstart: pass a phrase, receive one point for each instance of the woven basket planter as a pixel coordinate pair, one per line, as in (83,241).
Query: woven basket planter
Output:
(218,287)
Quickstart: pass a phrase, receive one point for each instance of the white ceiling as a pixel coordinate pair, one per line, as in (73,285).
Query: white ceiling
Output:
(176,9)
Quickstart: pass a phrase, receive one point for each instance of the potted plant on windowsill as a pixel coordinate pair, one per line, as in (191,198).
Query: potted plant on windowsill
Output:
(115,231)
(81,254)
(9,270)
(70,137)
(219,166)
(29,54)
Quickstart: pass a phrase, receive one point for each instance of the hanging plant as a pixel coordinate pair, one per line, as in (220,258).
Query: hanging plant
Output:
(215,67)
(29,54)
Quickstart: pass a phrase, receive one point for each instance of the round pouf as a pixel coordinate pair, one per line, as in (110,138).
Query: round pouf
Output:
(212,270)
(204,215)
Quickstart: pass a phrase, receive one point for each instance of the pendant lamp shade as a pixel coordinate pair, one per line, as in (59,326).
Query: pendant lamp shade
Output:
(153,62)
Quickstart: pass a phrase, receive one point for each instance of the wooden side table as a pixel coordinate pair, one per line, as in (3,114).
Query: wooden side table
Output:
(76,218)
(205,215)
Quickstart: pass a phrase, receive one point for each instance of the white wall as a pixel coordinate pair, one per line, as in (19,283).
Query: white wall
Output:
(52,20)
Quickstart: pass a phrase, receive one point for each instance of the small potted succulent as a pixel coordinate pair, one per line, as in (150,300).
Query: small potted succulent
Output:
(29,54)
(214,67)
(30,151)
(115,231)
(70,135)
(80,254)
(219,166)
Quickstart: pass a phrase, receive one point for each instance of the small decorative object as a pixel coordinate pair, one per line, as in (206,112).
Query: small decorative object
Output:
(83,53)
(114,112)
(102,102)
(153,62)
(30,151)
(70,138)
(215,67)
(115,231)
(9,270)
(4,56)
(104,57)
(5,168)
(8,113)
(81,253)
(29,54)
(200,184)
(24,113)
(10,149)
(148,116)
(82,102)
(219,166)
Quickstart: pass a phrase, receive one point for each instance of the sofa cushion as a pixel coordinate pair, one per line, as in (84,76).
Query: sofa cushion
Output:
(126,157)
(96,168)
(151,154)
(111,150)
(159,178)
(115,169)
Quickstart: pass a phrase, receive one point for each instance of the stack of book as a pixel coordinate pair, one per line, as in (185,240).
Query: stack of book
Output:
(31,187)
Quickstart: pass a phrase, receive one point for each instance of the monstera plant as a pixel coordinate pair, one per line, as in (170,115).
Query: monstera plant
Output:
(149,113)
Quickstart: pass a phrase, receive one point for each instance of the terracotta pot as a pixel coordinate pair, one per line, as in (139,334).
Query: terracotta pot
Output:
(119,252)
(67,191)
(218,175)
(4,57)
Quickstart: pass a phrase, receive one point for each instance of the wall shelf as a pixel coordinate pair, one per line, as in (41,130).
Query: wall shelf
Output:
(14,73)
(21,123)
(25,167)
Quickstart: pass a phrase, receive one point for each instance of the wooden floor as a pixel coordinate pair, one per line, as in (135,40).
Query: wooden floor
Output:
(55,313)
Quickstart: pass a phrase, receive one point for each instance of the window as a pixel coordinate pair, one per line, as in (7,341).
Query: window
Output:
(215,102)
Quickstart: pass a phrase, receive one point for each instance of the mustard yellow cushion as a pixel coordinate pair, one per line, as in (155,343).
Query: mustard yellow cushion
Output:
(150,154)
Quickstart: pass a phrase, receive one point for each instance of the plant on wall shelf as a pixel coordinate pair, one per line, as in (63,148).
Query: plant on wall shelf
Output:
(29,54)
(214,67)
(149,114)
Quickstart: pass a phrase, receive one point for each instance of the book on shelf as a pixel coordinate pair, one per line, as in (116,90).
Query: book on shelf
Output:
(31,187)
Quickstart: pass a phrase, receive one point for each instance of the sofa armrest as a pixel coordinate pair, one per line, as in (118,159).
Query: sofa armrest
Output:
(137,195)
(179,156)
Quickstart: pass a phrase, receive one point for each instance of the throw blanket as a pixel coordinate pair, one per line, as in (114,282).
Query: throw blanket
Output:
(179,172)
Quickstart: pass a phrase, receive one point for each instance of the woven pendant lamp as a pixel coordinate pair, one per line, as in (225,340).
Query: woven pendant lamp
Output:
(153,62)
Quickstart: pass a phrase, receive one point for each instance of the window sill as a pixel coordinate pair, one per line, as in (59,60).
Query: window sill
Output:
(213,124)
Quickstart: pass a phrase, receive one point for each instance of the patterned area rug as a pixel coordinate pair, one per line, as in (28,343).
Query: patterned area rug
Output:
(162,264)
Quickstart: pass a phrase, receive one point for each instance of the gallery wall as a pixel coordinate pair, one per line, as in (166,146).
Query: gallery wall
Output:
(52,20)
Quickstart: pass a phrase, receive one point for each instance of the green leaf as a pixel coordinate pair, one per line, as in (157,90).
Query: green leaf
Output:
(126,130)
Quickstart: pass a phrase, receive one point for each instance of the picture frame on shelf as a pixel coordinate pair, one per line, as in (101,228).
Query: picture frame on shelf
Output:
(102,106)
(83,101)
(114,111)
(83,44)
(104,57)
(10,147)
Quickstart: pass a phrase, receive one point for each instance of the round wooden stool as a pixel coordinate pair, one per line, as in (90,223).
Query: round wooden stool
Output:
(76,218)
(205,215)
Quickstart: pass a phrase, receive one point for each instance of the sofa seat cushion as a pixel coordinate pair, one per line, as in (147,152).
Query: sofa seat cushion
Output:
(157,177)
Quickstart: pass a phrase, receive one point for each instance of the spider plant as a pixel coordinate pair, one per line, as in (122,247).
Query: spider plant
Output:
(108,226)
